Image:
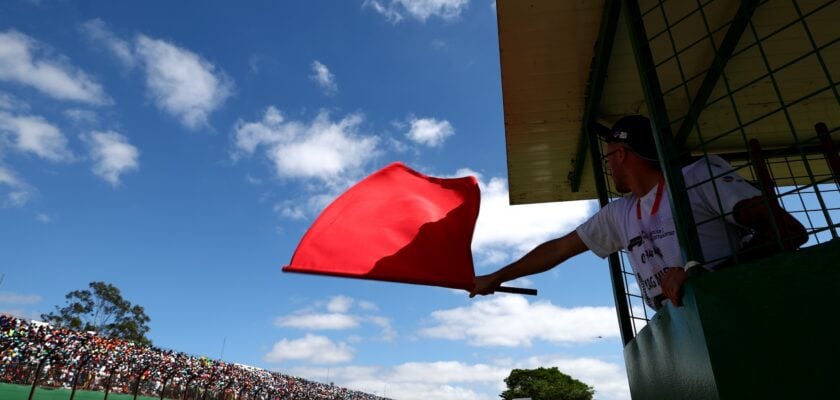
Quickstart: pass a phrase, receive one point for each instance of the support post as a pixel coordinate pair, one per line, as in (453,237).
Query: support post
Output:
(669,157)
(589,139)
(187,387)
(830,153)
(595,85)
(829,150)
(224,391)
(137,383)
(76,377)
(163,388)
(767,186)
(37,375)
(108,385)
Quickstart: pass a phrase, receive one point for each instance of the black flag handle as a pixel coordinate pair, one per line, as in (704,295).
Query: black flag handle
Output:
(507,289)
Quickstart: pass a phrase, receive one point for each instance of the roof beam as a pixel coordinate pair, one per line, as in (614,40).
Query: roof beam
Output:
(595,86)
(724,53)
(589,140)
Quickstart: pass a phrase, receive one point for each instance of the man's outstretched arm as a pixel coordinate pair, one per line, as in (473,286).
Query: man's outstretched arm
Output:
(542,258)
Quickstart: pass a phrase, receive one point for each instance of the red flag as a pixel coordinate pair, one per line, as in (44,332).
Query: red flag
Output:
(396,225)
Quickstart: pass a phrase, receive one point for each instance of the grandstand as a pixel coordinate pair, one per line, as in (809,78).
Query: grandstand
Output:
(38,361)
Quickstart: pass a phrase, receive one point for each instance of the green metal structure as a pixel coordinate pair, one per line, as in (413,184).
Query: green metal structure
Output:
(757,332)
(753,81)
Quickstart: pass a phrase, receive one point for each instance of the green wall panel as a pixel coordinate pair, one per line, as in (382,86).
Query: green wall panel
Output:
(768,330)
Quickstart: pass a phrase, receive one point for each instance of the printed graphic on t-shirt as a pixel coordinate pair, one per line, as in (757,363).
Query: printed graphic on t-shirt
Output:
(648,259)
(648,235)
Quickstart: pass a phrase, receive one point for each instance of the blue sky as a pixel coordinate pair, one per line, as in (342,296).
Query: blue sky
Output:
(179,150)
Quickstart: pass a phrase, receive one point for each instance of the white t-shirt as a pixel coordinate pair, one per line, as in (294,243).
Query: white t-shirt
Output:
(644,227)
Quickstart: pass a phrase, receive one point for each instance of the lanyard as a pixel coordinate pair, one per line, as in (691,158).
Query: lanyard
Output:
(648,246)
(659,189)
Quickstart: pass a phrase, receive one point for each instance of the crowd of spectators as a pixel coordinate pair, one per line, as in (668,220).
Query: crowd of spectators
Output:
(84,360)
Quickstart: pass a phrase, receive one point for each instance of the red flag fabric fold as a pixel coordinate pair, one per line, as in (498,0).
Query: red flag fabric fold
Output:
(396,225)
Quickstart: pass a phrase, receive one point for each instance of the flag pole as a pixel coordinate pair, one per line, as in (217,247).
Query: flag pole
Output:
(507,289)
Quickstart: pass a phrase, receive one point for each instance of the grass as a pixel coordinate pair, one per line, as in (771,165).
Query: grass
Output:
(21,392)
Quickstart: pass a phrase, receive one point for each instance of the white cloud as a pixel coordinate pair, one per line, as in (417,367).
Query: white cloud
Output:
(438,44)
(32,134)
(324,156)
(388,332)
(270,131)
(80,116)
(18,299)
(493,256)
(16,304)
(21,314)
(389,12)
(112,155)
(17,192)
(451,380)
(23,60)
(524,322)
(397,383)
(339,304)
(303,207)
(429,131)
(421,10)
(522,282)
(98,33)
(317,321)
(181,82)
(338,317)
(11,103)
(43,218)
(442,372)
(323,149)
(367,305)
(325,78)
(296,213)
(504,232)
(254,62)
(312,348)
(252,180)
(318,202)
(327,152)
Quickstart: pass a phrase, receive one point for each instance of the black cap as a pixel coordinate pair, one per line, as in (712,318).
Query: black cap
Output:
(634,131)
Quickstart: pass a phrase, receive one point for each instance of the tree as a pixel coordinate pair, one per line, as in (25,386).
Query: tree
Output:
(545,384)
(103,310)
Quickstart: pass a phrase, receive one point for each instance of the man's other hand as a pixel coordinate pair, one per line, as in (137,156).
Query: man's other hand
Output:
(672,284)
(485,284)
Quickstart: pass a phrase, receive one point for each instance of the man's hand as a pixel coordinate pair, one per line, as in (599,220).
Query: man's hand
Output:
(672,284)
(542,258)
(485,284)
(755,214)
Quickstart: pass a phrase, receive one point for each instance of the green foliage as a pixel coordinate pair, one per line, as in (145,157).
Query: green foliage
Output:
(545,384)
(102,309)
